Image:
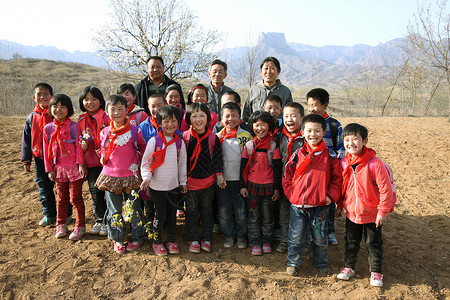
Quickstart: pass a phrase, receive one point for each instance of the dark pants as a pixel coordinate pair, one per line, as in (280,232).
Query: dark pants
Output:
(45,188)
(260,219)
(374,242)
(200,202)
(232,212)
(330,219)
(165,214)
(98,197)
(285,207)
(70,191)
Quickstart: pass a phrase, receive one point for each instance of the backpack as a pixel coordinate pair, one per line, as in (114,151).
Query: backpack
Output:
(138,115)
(391,179)
(134,138)
(159,144)
(334,128)
(73,132)
(211,141)
(270,152)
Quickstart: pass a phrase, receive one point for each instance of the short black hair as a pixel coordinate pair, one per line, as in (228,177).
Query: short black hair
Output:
(231,106)
(176,87)
(275,61)
(193,107)
(273,98)
(95,92)
(126,87)
(115,100)
(355,128)
(237,98)
(319,94)
(155,57)
(167,111)
(43,85)
(296,105)
(314,118)
(263,116)
(219,62)
(65,101)
(191,92)
(156,96)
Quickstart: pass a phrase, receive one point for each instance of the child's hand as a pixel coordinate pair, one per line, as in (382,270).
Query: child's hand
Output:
(328,200)
(183,189)
(27,168)
(145,184)
(102,158)
(84,145)
(337,213)
(380,220)
(82,170)
(244,192)
(276,195)
(51,175)
(221,182)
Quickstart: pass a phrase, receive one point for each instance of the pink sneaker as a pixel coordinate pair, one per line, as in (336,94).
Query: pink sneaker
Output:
(61,230)
(173,248)
(119,248)
(266,248)
(256,250)
(180,213)
(134,246)
(159,249)
(206,246)
(77,233)
(194,247)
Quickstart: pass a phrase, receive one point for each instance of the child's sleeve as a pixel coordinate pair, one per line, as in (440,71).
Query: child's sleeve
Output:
(277,169)
(79,159)
(182,165)
(47,163)
(335,184)
(340,149)
(244,161)
(217,158)
(141,144)
(26,141)
(145,164)
(288,175)
(384,187)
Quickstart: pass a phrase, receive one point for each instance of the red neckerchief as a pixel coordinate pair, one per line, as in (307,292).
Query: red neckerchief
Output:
(304,164)
(291,139)
(116,131)
(198,146)
(364,156)
(160,155)
(46,117)
(154,123)
(98,116)
(130,109)
(229,135)
(325,115)
(259,144)
(56,137)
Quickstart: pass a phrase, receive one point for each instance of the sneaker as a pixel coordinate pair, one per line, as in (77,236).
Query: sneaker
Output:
(61,230)
(173,248)
(216,228)
(159,249)
(229,242)
(133,246)
(324,270)
(332,239)
(241,243)
(346,274)
(180,213)
(103,231)
(266,248)
(119,248)
(206,246)
(96,228)
(376,279)
(291,270)
(46,221)
(256,250)
(282,248)
(194,247)
(77,233)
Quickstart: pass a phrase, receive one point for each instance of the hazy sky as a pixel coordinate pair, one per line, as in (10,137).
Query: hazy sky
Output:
(70,25)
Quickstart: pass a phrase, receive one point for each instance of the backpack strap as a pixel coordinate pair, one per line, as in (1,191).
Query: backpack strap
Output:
(73,132)
(211,142)
(50,130)
(106,137)
(139,117)
(134,137)
(334,128)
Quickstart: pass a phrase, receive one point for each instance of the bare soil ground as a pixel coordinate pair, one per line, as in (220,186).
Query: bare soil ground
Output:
(34,265)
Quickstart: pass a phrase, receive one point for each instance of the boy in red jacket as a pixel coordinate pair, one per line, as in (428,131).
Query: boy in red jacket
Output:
(367,197)
(312,180)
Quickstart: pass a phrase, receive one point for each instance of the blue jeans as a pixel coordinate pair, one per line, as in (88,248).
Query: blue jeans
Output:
(260,219)
(98,197)
(116,225)
(232,213)
(300,219)
(200,202)
(330,218)
(45,188)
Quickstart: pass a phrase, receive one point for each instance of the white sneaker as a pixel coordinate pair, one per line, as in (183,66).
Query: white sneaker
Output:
(346,274)
(103,230)
(376,279)
(96,228)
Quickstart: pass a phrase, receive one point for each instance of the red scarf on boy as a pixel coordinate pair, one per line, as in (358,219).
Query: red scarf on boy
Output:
(154,123)
(45,116)
(116,131)
(259,144)
(364,156)
(198,146)
(160,155)
(304,164)
(291,139)
(229,135)
(56,137)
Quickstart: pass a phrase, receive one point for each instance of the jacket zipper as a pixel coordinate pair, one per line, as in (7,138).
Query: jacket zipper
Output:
(356,194)
(307,180)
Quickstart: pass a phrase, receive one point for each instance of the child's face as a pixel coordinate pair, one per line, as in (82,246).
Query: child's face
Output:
(199,95)
(173,98)
(130,97)
(269,72)
(315,107)
(292,119)
(261,129)
(59,111)
(42,97)
(227,98)
(154,104)
(230,118)
(313,133)
(117,113)
(354,143)
(91,104)
(169,126)
(199,119)
(273,108)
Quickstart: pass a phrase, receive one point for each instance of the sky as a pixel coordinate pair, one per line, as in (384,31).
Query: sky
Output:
(70,25)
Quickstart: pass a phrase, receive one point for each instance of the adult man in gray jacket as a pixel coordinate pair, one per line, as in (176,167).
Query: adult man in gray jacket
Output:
(216,87)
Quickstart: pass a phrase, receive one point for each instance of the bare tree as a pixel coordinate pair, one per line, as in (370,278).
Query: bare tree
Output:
(250,63)
(138,29)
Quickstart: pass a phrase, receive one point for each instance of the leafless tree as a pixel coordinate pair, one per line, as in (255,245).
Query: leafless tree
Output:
(250,64)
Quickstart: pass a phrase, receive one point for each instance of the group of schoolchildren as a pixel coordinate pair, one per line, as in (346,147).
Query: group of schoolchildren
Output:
(267,173)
